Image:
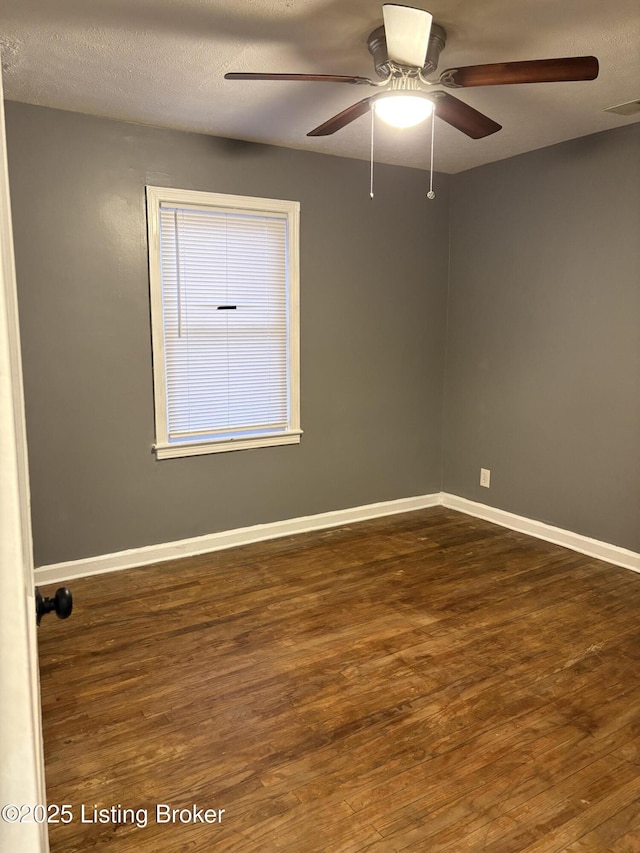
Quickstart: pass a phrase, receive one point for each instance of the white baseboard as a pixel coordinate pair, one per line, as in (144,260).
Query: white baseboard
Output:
(135,557)
(574,541)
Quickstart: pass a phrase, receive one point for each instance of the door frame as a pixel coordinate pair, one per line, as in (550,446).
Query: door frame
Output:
(22,778)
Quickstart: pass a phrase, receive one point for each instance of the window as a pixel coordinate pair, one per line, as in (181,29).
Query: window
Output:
(224,320)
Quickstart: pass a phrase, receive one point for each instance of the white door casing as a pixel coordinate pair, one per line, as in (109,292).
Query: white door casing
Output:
(22,782)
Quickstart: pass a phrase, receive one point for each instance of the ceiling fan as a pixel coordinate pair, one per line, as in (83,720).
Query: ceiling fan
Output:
(406,51)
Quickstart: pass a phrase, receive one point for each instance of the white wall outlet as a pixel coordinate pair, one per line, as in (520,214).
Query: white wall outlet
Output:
(485,477)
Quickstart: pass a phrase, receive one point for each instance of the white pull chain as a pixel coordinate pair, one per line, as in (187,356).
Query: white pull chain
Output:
(431,194)
(373,120)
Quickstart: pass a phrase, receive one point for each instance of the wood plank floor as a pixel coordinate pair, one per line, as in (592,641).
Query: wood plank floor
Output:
(421,682)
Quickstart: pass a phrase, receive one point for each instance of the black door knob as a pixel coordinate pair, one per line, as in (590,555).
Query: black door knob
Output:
(62,603)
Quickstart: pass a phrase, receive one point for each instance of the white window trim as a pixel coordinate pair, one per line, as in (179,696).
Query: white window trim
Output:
(163,448)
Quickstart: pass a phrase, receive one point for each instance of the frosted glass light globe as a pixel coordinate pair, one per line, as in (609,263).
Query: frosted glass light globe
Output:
(403,110)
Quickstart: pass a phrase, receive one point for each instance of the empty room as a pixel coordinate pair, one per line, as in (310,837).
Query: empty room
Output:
(320,426)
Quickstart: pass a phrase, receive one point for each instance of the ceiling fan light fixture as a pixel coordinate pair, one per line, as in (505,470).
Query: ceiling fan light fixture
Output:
(403,110)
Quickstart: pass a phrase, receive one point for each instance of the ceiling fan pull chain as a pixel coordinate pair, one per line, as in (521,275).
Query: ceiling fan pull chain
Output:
(373,120)
(431,194)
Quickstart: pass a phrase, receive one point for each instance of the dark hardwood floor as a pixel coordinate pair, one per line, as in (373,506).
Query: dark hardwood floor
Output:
(426,681)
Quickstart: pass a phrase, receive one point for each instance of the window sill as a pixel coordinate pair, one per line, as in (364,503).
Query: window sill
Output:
(172,451)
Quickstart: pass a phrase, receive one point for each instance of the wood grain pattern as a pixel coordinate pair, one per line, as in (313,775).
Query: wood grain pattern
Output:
(421,682)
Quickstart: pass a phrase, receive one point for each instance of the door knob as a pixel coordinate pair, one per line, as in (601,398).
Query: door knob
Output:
(62,603)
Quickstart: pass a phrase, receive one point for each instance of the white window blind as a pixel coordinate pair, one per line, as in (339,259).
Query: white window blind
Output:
(226,324)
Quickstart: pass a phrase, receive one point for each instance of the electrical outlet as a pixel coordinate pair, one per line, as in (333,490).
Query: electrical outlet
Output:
(485,477)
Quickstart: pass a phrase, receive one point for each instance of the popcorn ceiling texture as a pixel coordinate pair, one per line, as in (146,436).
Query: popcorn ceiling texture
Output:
(162,62)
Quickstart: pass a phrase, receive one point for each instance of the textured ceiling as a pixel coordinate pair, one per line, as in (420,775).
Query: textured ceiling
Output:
(162,62)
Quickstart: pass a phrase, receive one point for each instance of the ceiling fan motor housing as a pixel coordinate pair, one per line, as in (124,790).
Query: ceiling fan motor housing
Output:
(377,45)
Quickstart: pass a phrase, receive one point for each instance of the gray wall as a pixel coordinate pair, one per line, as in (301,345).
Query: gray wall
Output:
(542,352)
(373,294)
(543,347)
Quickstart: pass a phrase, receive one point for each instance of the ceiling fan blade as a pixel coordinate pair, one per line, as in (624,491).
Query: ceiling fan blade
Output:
(531,71)
(463,117)
(342,119)
(313,78)
(407,34)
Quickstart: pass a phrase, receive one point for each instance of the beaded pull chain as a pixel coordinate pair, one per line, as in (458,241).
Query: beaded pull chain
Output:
(431,194)
(373,121)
